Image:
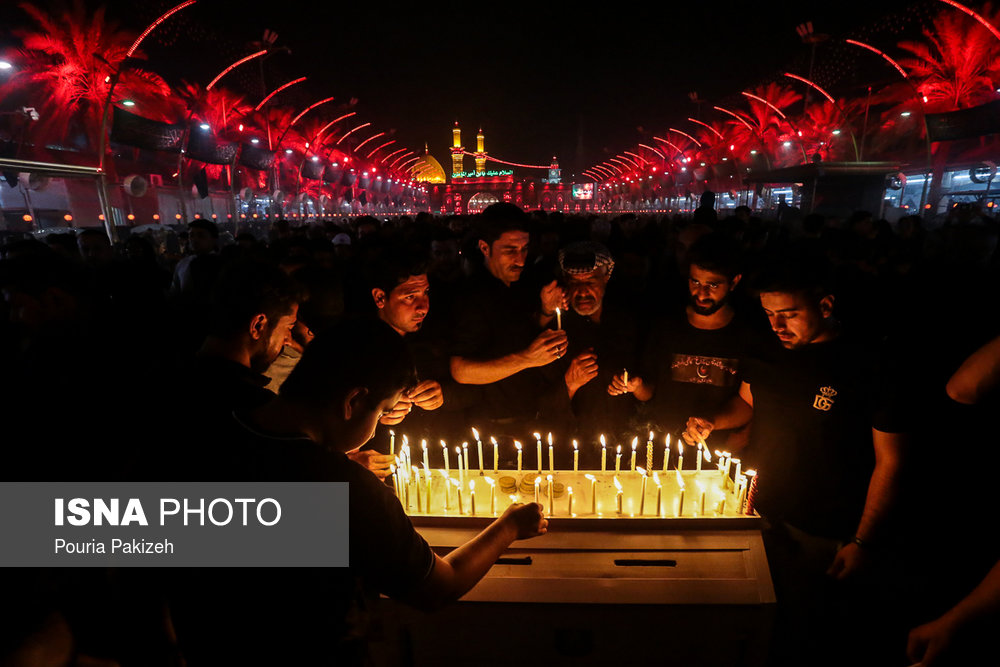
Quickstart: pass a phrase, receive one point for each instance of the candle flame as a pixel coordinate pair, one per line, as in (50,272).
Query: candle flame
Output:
(458,451)
(680,448)
(406,441)
(618,485)
(489,480)
(549,478)
(416,473)
(570,489)
(701,487)
(475,433)
(538,480)
(465,445)
(445,474)
(391,432)
(493,440)
(591,478)
(750,473)
(472,485)
(719,454)
(538,436)
(656,479)
(550,438)
(735,460)
(708,455)
(725,453)
(640,470)
(650,436)
(619,449)
(423,443)
(444,444)
(668,439)
(680,479)
(603,442)
(635,441)
(392,469)
(575,446)
(455,482)
(513,499)
(517,444)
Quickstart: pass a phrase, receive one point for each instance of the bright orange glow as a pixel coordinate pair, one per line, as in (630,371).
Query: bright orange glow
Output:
(27,218)
(69,218)
(130,216)
(156,216)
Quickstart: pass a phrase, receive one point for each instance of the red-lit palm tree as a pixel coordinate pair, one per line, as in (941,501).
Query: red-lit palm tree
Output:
(64,69)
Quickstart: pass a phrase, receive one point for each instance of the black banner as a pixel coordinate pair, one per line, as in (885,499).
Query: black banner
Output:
(964,123)
(313,170)
(204,147)
(255,157)
(331,174)
(129,129)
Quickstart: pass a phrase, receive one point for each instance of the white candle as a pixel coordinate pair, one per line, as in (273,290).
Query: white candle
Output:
(558,319)
(570,509)
(395,482)
(479,449)
(392,442)
(538,439)
(697,465)
(458,487)
(518,445)
(649,452)
(445,448)
(618,495)
(659,492)
(552,457)
(427,464)
(680,456)
(701,502)
(447,490)
(427,476)
(538,484)
(706,452)
(722,505)
(465,457)
(496,455)
(680,502)
(642,492)
(604,454)
(416,477)
(493,495)
(593,493)
(635,443)
(551,508)
(461,470)
(725,472)
(472,497)
(625,376)
(576,457)
(666,454)
(618,460)
(738,464)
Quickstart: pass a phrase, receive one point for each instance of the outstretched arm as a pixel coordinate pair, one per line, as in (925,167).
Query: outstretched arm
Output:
(977,375)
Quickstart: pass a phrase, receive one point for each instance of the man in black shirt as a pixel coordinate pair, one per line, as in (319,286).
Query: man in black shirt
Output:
(500,340)
(828,449)
(691,362)
(329,405)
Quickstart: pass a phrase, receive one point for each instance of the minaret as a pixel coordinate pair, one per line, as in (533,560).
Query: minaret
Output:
(555,174)
(480,153)
(457,157)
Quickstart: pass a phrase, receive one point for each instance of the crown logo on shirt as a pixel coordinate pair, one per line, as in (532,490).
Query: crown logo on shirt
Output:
(828,392)
(824,399)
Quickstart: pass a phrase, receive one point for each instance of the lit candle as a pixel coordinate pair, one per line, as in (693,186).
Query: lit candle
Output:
(427,464)
(659,492)
(538,484)
(406,489)
(395,482)
(392,442)
(479,449)
(472,497)
(706,452)
(570,509)
(618,495)
(625,376)
(493,495)
(548,478)
(404,453)
(465,457)
(642,492)
(593,493)
(513,500)
(538,439)
(558,319)
(697,465)
(444,447)
(666,454)
(496,455)
(737,475)
(618,460)
(552,457)
(649,452)
(576,457)
(635,443)
(604,454)
(741,488)
(701,503)
(749,492)
(722,460)
(416,478)
(725,473)
(461,471)
(680,501)
(458,487)
(680,456)
(518,445)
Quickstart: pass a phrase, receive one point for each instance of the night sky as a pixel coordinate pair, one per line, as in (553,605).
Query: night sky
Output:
(542,79)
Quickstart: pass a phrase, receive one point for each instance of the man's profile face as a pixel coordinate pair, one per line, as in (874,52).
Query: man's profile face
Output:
(796,320)
(200,241)
(506,257)
(278,335)
(708,291)
(406,306)
(585,292)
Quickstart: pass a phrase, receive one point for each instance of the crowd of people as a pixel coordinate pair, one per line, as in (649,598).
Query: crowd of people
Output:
(851,362)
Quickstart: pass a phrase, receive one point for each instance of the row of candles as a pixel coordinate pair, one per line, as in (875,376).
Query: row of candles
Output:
(462,454)
(406,475)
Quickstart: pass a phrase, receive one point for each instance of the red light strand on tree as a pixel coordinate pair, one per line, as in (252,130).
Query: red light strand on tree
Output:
(234,66)
(276,91)
(154,24)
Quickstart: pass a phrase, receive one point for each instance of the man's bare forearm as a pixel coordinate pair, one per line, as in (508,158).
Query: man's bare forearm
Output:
(471,371)
(884,484)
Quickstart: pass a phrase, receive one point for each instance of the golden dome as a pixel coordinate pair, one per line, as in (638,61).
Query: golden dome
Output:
(428,170)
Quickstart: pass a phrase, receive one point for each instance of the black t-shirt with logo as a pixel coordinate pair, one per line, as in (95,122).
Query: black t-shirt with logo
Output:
(696,371)
(811,436)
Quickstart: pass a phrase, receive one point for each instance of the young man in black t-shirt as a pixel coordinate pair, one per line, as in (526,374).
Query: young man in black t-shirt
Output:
(828,447)
(691,363)
(329,405)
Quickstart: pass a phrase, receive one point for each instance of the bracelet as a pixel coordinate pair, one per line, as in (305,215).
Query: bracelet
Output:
(864,544)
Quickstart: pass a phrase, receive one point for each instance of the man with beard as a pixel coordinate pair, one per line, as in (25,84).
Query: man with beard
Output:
(691,361)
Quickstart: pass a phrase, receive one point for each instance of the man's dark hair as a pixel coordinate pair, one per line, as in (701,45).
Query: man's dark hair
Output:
(797,271)
(206,225)
(717,253)
(499,218)
(93,233)
(395,267)
(246,288)
(359,353)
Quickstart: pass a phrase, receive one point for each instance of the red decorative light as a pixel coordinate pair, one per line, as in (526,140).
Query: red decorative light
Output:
(813,85)
(130,216)
(880,53)
(350,132)
(68,218)
(374,136)
(308,109)
(154,24)
(706,125)
(178,216)
(234,66)
(27,218)
(156,216)
(278,90)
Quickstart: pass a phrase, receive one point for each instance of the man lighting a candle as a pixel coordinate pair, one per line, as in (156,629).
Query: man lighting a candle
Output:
(329,405)
(501,337)
(827,445)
